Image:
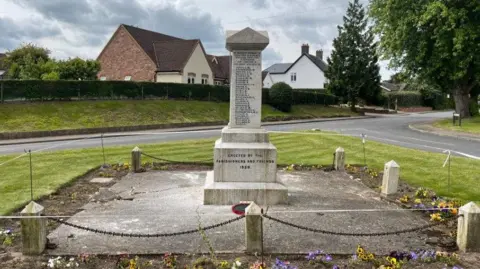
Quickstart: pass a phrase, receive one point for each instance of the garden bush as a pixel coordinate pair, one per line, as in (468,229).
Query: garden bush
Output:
(280,96)
(473,108)
(405,98)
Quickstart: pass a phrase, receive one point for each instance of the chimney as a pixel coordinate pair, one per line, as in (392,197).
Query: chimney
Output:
(305,49)
(320,54)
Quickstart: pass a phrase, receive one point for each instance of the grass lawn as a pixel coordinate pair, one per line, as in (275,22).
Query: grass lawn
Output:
(471,125)
(90,114)
(52,169)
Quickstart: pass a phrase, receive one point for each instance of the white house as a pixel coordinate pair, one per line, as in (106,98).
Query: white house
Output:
(306,72)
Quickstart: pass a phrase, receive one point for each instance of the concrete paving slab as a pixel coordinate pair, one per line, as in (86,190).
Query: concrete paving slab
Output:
(171,201)
(101,180)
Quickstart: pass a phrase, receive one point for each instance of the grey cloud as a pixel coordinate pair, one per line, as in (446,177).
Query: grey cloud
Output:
(311,21)
(14,33)
(270,57)
(93,21)
(260,4)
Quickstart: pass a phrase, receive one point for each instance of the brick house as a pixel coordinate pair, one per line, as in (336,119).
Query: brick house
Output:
(141,55)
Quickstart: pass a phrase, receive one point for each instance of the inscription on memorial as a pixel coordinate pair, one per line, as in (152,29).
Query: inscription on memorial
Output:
(244,160)
(245,65)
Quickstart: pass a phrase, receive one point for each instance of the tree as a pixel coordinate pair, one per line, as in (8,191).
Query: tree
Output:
(437,40)
(353,70)
(24,62)
(78,69)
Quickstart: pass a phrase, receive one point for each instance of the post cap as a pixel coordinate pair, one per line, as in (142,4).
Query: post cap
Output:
(253,209)
(392,163)
(470,208)
(136,149)
(339,149)
(32,208)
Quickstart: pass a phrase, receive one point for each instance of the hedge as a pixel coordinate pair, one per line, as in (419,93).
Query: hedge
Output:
(34,90)
(404,98)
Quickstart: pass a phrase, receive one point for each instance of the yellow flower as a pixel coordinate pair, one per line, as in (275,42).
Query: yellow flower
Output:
(360,250)
(435,217)
(371,256)
(418,201)
(393,261)
(442,204)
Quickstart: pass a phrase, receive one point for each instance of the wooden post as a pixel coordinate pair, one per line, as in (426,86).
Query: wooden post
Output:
(391,174)
(136,159)
(34,230)
(468,229)
(253,229)
(339,159)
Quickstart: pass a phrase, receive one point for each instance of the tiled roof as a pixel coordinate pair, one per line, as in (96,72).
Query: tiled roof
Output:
(172,55)
(278,68)
(220,67)
(318,62)
(146,38)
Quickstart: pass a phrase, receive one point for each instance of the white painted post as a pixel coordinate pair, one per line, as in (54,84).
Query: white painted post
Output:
(34,230)
(136,159)
(468,229)
(339,159)
(391,173)
(253,228)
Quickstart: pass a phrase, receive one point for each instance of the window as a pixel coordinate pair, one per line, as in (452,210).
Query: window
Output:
(128,78)
(103,78)
(191,78)
(293,77)
(218,83)
(204,79)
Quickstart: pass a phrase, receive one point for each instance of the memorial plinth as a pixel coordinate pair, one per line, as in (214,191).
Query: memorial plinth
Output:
(245,162)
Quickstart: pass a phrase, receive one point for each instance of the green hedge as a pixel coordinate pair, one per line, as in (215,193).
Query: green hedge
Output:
(34,90)
(405,98)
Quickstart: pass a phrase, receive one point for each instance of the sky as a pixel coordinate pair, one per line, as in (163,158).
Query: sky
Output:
(81,28)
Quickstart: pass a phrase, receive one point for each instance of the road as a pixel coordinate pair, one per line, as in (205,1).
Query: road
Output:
(391,129)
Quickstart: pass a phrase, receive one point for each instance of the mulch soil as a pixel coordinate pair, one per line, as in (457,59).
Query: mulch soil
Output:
(69,199)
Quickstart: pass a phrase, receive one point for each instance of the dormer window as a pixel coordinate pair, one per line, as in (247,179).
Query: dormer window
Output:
(191,78)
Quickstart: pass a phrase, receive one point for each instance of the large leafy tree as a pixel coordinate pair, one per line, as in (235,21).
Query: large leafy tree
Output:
(25,62)
(438,40)
(78,69)
(353,70)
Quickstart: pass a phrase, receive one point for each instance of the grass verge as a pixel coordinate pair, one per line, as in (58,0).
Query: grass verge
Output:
(471,125)
(91,114)
(54,169)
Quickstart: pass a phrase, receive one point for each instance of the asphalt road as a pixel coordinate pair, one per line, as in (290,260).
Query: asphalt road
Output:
(391,129)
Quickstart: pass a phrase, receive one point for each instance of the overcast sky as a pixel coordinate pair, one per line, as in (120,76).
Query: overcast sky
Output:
(71,28)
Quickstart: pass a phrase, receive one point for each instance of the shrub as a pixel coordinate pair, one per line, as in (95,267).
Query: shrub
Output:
(473,108)
(280,96)
(405,98)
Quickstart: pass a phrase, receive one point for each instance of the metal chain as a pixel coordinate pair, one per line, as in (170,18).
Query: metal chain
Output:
(352,234)
(146,235)
(178,162)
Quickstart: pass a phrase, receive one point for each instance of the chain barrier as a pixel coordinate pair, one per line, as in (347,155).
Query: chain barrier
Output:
(98,231)
(208,162)
(423,227)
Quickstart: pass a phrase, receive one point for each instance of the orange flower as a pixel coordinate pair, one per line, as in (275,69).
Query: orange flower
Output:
(454,211)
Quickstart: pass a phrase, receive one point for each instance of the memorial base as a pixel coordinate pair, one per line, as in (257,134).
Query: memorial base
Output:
(229,193)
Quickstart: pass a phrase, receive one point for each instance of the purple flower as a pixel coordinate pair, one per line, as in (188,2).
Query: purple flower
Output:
(328,258)
(311,256)
(354,257)
(335,267)
(456,267)
(413,255)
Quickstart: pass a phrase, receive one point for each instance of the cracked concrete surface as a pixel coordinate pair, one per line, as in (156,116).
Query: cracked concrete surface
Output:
(171,201)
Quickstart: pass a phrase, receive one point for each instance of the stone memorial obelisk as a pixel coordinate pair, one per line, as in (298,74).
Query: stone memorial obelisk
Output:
(245,162)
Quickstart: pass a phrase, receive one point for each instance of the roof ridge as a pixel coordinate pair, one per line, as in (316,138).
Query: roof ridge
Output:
(146,30)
